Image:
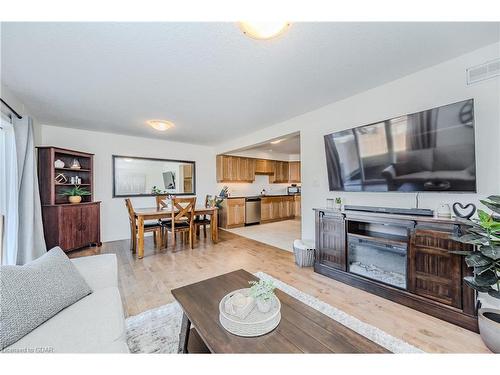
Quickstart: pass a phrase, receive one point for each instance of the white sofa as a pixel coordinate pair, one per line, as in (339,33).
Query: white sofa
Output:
(94,324)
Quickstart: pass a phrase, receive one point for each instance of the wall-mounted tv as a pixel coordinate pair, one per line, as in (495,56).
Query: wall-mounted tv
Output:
(432,150)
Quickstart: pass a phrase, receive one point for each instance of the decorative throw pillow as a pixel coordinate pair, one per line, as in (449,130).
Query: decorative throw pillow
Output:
(35,292)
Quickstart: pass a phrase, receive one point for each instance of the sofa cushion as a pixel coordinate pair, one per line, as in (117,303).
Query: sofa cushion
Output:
(95,324)
(35,292)
(99,271)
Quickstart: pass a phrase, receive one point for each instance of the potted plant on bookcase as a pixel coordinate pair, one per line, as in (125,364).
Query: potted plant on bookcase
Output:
(75,194)
(484,233)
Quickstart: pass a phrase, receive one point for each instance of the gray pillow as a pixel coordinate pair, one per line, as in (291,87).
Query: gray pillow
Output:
(35,292)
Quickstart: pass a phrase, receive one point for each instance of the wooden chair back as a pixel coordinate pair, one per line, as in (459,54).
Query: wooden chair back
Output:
(183,209)
(207,199)
(161,202)
(130,209)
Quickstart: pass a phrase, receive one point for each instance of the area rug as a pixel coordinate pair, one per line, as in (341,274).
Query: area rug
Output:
(157,330)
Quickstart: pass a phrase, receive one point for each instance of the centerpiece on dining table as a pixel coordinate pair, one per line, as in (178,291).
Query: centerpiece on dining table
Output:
(252,311)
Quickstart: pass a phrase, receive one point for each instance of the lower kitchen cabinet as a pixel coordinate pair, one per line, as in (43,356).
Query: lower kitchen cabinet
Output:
(232,213)
(72,226)
(277,208)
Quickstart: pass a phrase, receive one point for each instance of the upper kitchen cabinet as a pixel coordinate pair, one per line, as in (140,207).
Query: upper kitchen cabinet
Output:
(240,169)
(264,166)
(281,172)
(235,169)
(294,171)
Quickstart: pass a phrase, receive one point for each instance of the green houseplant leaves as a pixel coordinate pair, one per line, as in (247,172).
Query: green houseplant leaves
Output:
(76,191)
(484,233)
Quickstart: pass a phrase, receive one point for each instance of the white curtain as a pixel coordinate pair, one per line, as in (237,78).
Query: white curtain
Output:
(8,191)
(19,197)
(30,238)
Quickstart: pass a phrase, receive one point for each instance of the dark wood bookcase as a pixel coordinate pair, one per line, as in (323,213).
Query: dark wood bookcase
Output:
(70,226)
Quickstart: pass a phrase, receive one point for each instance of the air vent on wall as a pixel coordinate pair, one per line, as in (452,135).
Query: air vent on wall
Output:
(484,71)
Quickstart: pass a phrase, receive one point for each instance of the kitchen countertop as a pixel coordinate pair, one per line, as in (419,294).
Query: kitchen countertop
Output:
(262,196)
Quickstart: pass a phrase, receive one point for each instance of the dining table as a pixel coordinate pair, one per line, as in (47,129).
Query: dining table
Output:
(155,213)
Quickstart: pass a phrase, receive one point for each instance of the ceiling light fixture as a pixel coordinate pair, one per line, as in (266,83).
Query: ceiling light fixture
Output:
(263,30)
(160,125)
(277,141)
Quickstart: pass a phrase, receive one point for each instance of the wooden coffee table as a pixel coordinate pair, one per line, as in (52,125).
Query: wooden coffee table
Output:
(302,329)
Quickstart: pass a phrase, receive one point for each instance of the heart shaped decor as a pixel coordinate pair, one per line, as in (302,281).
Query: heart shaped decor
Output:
(462,214)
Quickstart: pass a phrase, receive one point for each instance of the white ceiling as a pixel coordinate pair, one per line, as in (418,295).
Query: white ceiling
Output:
(213,82)
(288,145)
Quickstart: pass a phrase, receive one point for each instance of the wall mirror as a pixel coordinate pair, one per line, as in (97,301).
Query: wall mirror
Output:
(138,177)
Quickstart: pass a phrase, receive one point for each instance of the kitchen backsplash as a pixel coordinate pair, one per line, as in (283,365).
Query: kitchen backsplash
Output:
(249,189)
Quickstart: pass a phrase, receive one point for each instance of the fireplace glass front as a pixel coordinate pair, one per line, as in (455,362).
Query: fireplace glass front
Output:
(378,261)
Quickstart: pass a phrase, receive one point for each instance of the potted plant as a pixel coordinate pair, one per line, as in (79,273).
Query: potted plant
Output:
(484,233)
(75,194)
(338,203)
(262,291)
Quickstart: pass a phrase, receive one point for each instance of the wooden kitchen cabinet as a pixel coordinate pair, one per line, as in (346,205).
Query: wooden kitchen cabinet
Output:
(276,208)
(297,206)
(264,166)
(246,169)
(232,213)
(281,172)
(294,171)
(235,169)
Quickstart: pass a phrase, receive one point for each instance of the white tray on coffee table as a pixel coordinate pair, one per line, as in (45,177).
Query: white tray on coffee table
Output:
(255,323)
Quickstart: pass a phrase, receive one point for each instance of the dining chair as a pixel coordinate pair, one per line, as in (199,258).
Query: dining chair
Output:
(161,204)
(161,201)
(202,220)
(148,227)
(182,219)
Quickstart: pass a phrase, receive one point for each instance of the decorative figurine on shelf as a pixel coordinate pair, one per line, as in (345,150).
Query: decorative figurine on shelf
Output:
(75,164)
(59,163)
(75,194)
(461,214)
(61,178)
(262,291)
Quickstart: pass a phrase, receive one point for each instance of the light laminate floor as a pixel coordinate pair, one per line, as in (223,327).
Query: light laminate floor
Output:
(280,234)
(146,283)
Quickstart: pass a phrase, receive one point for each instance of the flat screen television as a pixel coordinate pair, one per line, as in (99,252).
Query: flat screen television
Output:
(432,150)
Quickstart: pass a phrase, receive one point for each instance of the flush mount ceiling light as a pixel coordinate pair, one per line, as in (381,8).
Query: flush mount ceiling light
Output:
(277,141)
(263,30)
(160,125)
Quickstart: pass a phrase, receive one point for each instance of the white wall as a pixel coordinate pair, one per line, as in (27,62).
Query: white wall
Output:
(239,189)
(114,219)
(19,107)
(435,86)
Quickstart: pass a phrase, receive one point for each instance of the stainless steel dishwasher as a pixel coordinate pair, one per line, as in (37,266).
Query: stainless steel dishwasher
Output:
(252,210)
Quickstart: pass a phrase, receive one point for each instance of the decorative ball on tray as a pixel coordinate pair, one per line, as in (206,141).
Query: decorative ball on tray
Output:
(252,311)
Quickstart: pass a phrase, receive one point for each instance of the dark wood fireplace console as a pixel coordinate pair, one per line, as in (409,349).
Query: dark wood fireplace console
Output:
(399,257)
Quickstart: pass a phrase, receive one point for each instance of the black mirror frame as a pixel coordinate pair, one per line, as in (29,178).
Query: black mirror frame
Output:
(114,157)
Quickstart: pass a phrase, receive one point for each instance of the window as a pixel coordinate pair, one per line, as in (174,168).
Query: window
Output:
(8,192)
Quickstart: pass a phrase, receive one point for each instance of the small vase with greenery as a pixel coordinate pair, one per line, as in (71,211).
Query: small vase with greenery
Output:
(338,203)
(484,233)
(75,194)
(262,291)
